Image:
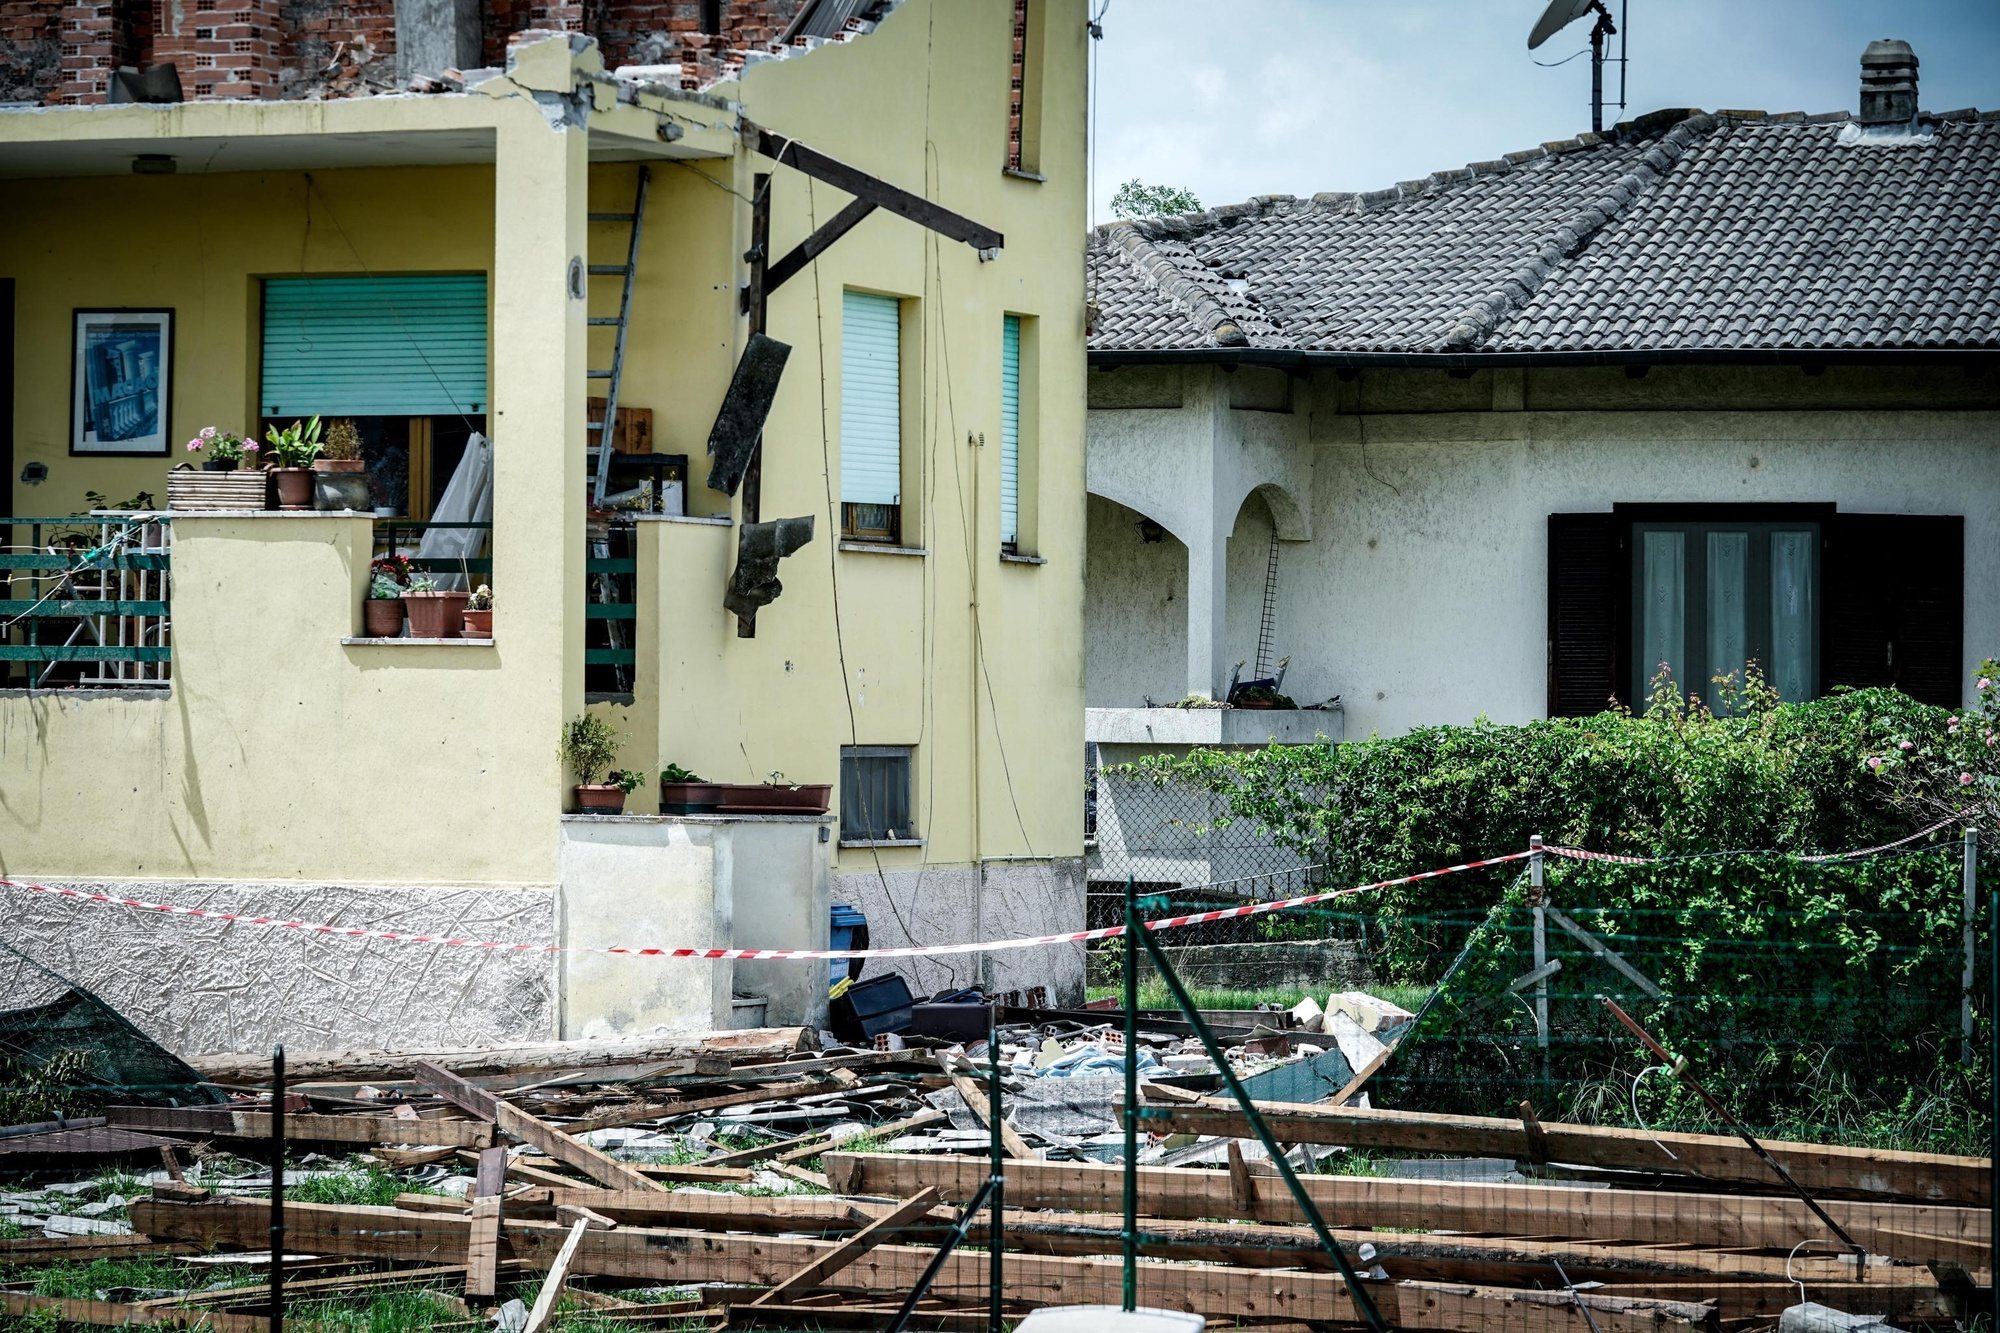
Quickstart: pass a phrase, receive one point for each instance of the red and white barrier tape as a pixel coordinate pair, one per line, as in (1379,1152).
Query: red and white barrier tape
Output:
(910,951)
(1579,854)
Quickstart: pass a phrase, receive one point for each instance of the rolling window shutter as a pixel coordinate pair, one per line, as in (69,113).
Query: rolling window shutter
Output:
(1586,602)
(411,346)
(1895,604)
(871,400)
(1010,430)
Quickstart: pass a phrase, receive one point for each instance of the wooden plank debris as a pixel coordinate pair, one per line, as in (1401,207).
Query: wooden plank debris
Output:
(845,1253)
(516,1123)
(227,1122)
(552,1284)
(975,1101)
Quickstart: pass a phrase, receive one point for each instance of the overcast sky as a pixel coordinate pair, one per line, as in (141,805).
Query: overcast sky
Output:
(1234,98)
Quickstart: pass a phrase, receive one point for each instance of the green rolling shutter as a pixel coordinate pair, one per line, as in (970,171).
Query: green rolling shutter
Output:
(871,400)
(1010,430)
(367,346)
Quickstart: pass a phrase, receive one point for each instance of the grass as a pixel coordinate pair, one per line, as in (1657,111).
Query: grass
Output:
(82,1281)
(356,1184)
(11,1230)
(389,1312)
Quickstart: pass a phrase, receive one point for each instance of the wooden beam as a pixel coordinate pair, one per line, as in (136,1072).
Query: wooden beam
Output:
(691,1257)
(639,1113)
(816,244)
(1912,1232)
(845,1253)
(791,153)
(482,1244)
(552,1284)
(975,1101)
(556,1056)
(1819,1168)
(516,1123)
(118,1314)
(224,1122)
(1606,954)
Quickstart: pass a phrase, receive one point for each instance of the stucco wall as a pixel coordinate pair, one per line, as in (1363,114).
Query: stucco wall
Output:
(1421,594)
(1135,635)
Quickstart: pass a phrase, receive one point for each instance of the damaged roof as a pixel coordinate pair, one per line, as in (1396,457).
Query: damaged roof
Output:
(1682,231)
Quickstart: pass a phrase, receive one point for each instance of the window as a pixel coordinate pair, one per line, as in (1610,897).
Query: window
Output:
(875,794)
(1010,434)
(1024,92)
(871,418)
(1817,598)
(1712,597)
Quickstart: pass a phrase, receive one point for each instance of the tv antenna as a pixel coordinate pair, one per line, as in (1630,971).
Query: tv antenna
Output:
(1559,15)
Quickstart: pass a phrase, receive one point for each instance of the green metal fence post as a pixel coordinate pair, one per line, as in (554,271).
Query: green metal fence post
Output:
(997,1175)
(1131,1234)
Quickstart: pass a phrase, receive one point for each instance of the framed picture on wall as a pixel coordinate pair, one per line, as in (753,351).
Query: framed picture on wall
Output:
(121,374)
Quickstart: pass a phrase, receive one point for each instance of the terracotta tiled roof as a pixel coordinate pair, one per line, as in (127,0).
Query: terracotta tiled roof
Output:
(1681,230)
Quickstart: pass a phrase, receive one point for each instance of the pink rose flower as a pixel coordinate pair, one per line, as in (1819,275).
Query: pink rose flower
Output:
(1906,745)
(1965,779)
(1874,761)
(1985,683)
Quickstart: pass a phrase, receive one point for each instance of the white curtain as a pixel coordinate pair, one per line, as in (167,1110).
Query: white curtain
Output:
(467,498)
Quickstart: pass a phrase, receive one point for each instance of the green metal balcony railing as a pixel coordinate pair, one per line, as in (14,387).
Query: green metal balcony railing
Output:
(86,600)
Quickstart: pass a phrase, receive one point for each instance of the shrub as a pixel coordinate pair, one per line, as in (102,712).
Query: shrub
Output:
(589,744)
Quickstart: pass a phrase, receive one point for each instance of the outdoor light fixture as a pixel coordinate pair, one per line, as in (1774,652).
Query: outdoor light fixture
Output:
(154,164)
(1151,532)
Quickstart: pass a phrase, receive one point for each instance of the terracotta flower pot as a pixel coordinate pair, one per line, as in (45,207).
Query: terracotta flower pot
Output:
(599,798)
(295,487)
(689,798)
(764,798)
(435,615)
(478,624)
(382,617)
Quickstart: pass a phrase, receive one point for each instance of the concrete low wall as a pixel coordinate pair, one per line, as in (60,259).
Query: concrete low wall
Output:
(1309,967)
(204,987)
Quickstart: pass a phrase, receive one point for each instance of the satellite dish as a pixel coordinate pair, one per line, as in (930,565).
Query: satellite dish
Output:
(1559,15)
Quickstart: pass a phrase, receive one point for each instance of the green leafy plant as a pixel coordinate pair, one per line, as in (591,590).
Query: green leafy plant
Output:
(422,583)
(295,445)
(383,588)
(223,446)
(589,745)
(626,780)
(481,599)
(1948,775)
(1135,199)
(675,773)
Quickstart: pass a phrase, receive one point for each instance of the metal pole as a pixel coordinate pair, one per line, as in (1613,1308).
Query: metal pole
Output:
(278,1188)
(1536,867)
(929,1275)
(1993,1076)
(1597,79)
(997,1177)
(1130,1237)
(1970,978)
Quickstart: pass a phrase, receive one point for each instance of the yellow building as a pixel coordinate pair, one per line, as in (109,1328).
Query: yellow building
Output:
(234,740)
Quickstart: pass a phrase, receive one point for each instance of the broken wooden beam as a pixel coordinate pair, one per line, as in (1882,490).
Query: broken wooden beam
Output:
(224,1122)
(851,1249)
(975,1102)
(516,1123)
(1722,1158)
(523,1057)
(552,1282)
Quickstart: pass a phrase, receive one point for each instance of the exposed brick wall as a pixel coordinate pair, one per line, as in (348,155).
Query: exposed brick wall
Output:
(65,50)
(1017,84)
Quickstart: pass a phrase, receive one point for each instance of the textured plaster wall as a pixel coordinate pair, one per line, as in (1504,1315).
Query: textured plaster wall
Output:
(1135,635)
(202,987)
(948,904)
(1426,578)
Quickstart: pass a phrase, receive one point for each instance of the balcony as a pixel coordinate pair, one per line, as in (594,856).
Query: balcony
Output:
(85,601)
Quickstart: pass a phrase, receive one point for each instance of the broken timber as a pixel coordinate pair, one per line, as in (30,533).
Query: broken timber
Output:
(1715,1157)
(688,1257)
(516,1123)
(226,1123)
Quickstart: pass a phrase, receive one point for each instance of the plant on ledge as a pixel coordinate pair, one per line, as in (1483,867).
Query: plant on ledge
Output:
(223,450)
(293,450)
(589,745)
(382,611)
(478,614)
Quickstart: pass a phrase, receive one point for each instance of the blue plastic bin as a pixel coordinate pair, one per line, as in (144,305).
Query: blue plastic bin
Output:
(850,931)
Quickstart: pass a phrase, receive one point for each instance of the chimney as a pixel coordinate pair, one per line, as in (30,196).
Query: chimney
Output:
(1888,83)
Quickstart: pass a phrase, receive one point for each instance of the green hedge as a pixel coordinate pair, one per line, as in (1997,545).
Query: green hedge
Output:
(1822,997)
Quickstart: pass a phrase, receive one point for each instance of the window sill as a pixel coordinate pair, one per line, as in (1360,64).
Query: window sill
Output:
(1018,174)
(876,548)
(881,842)
(1014,558)
(400,642)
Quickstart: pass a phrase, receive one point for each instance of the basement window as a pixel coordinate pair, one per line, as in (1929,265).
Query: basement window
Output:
(875,795)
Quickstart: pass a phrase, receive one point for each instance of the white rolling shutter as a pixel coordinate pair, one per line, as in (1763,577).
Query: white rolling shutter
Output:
(871,400)
(1010,430)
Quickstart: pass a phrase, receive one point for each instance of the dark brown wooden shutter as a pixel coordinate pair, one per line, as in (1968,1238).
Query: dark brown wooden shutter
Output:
(1587,598)
(1894,604)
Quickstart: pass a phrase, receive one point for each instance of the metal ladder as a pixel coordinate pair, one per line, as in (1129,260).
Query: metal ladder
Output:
(1267,618)
(622,321)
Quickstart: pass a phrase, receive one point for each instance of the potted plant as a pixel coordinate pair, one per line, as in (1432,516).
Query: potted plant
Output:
(340,474)
(222,450)
(293,450)
(775,796)
(478,614)
(588,747)
(684,793)
(434,613)
(382,609)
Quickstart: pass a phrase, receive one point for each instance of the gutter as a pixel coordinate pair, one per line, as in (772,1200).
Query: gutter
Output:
(1294,359)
